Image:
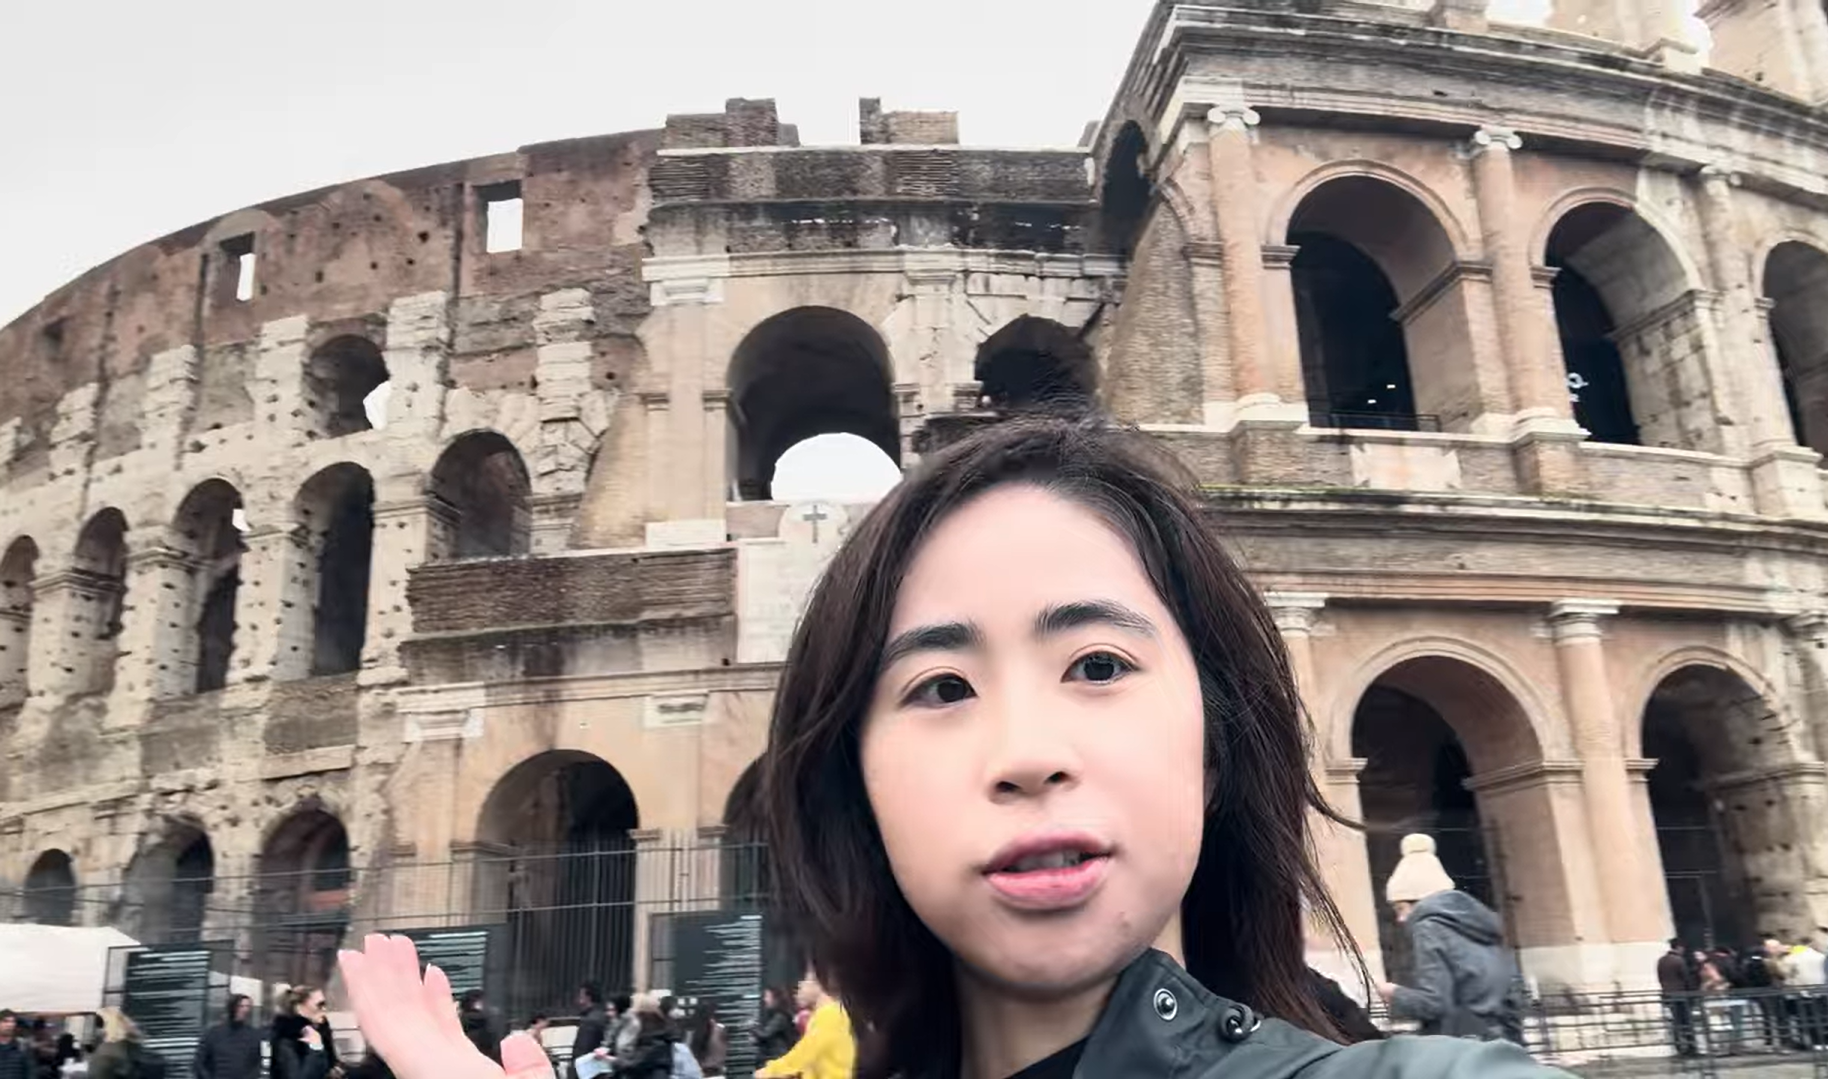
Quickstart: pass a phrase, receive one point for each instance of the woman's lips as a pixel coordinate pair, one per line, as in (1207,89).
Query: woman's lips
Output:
(1055,889)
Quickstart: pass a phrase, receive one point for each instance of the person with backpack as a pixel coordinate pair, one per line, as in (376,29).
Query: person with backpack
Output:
(1465,978)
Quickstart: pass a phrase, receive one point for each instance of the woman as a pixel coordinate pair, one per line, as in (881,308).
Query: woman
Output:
(773,1032)
(827,1049)
(299,1049)
(1036,790)
(121,1054)
(709,1041)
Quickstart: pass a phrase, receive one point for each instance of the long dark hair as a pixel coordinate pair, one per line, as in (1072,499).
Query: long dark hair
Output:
(1242,917)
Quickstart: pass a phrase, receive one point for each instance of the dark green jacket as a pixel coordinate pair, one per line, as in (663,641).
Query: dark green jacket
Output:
(1161,1024)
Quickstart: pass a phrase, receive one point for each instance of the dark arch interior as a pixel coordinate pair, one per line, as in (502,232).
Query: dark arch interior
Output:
(101,597)
(481,495)
(1127,190)
(1727,848)
(337,507)
(206,531)
(564,878)
(303,894)
(341,374)
(810,371)
(1796,284)
(50,889)
(168,886)
(1354,362)
(1597,383)
(1414,780)
(1036,364)
(18,570)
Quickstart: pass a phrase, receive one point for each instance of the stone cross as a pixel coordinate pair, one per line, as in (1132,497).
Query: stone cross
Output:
(813,515)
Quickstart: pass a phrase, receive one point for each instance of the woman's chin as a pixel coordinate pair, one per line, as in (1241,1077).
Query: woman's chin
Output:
(1049,968)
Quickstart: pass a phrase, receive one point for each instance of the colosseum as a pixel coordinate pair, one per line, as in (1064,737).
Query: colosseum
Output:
(365,564)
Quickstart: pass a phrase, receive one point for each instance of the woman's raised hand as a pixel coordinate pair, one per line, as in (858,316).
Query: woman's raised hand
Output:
(411,1020)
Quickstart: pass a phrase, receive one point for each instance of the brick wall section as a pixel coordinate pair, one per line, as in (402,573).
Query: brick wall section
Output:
(606,589)
(851,174)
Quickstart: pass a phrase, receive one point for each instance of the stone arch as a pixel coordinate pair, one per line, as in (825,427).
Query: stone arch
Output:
(207,534)
(1738,806)
(334,512)
(1452,750)
(167,886)
(1794,283)
(1036,365)
(98,590)
(50,889)
(558,830)
(481,499)
(1625,298)
(18,577)
(1381,315)
(1125,190)
(341,377)
(802,373)
(1502,676)
(303,888)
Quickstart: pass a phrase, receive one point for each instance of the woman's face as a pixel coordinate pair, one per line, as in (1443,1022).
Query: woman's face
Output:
(313,1008)
(1034,750)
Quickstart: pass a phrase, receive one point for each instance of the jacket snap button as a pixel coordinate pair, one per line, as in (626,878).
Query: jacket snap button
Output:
(1165,1004)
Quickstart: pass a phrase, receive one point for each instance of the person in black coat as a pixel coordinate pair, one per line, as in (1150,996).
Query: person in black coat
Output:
(14,1058)
(593,1023)
(477,1026)
(231,1048)
(773,1032)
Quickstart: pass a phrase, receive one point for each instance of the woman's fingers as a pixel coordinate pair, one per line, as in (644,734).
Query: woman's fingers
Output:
(442,1005)
(522,1058)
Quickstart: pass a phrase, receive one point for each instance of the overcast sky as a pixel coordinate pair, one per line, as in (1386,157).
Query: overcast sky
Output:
(122,120)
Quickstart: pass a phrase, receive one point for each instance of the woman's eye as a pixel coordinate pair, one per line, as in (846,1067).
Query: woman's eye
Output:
(940,690)
(1099,668)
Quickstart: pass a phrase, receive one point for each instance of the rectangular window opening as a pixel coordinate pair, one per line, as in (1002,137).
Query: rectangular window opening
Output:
(240,251)
(501,216)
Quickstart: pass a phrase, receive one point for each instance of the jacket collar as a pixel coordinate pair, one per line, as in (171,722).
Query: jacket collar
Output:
(1161,1022)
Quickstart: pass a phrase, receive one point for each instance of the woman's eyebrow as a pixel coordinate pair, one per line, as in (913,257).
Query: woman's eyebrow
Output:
(939,637)
(1064,616)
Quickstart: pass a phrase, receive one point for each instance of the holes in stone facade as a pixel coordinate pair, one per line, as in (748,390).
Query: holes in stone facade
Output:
(98,596)
(18,572)
(346,387)
(50,889)
(207,535)
(810,371)
(336,510)
(1036,365)
(480,497)
(501,207)
(1796,287)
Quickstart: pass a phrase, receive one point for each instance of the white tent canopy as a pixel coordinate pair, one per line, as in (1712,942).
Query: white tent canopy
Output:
(55,970)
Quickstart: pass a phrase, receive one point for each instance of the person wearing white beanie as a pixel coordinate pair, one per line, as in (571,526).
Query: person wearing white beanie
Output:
(1464,978)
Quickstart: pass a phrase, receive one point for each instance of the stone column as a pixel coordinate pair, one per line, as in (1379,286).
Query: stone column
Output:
(1809,634)
(278,385)
(417,356)
(1781,44)
(1538,380)
(273,631)
(1637,912)
(403,523)
(717,449)
(1785,480)
(572,415)
(157,642)
(60,625)
(1265,374)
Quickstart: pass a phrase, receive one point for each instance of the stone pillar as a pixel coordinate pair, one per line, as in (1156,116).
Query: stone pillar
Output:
(1280,323)
(1546,449)
(1653,28)
(157,657)
(1809,634)
(1630,879)
(572,414)
(1266,375)
(59,624)
(171,394)
(554,517)
(403,522)
(273,630)
(717,449)
(1538,379)
(656,405)
(417,357)
(278,385)
(1785,479)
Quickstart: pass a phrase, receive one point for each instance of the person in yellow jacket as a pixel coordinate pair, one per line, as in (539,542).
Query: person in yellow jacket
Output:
(827,1050)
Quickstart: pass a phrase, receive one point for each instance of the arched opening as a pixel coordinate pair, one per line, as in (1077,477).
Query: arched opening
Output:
(1036,365)
(206,533)
(343,376)
(18,572)
(1382,327)
(336,511)
(50,889)
(1426,729)
(98,591)
(167,887)
(833,468)
(1724,796)
(302,896)
(1796,286)
(564,873)
(1632,352)
(806,372)
(1127,191)
(481,499)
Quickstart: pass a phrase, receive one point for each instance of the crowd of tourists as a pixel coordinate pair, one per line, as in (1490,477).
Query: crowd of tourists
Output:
(1722,999)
